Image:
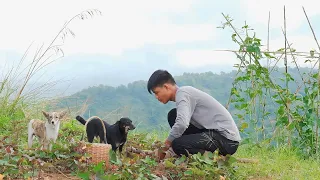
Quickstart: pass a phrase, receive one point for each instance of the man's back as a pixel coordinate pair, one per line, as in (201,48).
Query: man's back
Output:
(207,112)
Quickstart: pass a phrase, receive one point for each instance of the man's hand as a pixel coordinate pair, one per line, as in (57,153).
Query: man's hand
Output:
(162,151)
(167,144)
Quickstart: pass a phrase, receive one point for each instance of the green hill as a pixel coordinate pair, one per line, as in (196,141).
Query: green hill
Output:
(133,100)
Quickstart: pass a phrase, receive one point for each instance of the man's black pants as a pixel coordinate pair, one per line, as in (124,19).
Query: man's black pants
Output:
(195,140)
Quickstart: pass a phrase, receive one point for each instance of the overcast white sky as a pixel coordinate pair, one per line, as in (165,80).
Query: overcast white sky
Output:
(182,34)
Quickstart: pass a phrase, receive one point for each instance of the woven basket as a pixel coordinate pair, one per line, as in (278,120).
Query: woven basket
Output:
(98,152)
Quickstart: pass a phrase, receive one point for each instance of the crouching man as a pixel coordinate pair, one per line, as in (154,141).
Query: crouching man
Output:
(199,122)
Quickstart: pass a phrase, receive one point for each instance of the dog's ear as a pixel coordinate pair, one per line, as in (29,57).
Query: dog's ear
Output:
(45,114)
(62,114)
(120,123)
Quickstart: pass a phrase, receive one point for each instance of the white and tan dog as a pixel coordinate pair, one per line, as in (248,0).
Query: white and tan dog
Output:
(46,131)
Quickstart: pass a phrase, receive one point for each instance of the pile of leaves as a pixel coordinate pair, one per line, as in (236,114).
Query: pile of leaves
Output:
(71,161)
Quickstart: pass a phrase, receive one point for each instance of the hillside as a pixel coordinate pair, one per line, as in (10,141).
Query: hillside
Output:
(280,161)
(133,100)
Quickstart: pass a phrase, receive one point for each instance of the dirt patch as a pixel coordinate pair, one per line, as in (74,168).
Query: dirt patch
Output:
(260,178)
(53,176)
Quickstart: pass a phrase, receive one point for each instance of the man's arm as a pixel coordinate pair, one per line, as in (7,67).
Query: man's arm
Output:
(184,112)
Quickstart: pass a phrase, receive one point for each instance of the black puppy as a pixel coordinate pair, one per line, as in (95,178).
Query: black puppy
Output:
(116,134)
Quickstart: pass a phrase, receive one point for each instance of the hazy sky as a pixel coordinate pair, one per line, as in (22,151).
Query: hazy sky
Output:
(131,39)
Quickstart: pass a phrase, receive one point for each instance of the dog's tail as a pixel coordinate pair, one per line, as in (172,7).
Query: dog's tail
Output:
(81,120)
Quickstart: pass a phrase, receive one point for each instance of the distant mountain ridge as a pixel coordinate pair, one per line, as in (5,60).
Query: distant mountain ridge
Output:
(134,101)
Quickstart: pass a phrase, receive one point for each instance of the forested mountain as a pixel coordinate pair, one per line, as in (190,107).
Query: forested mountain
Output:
(133,100)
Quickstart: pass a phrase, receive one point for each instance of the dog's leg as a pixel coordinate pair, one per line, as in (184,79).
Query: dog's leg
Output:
(114,147)
(50,146)
(120,149)
(90,138)
(42,144)
(53,141)
(46,144)
(102,138)
(30,140)
(30,134)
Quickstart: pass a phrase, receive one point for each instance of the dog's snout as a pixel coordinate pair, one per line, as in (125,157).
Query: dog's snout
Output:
(52,122)
(133,127)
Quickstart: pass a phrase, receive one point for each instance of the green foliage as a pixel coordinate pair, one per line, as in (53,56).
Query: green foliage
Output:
(16,161)
(275,163)
(198,166)
(254,91)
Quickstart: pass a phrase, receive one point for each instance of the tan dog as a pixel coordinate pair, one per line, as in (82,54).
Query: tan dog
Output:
(46,131)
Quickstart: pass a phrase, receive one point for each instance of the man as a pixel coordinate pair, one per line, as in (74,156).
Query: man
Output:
(199,122)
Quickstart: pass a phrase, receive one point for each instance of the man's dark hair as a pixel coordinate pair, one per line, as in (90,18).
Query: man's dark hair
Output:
(158,78)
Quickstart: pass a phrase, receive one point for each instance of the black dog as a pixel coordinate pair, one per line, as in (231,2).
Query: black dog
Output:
(115,134)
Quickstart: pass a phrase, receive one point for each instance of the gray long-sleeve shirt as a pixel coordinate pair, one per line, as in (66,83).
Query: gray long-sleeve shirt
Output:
(204,112)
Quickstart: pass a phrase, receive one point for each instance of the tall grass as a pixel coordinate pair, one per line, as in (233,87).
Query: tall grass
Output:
(16,90)
(276,163)
(273,111)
